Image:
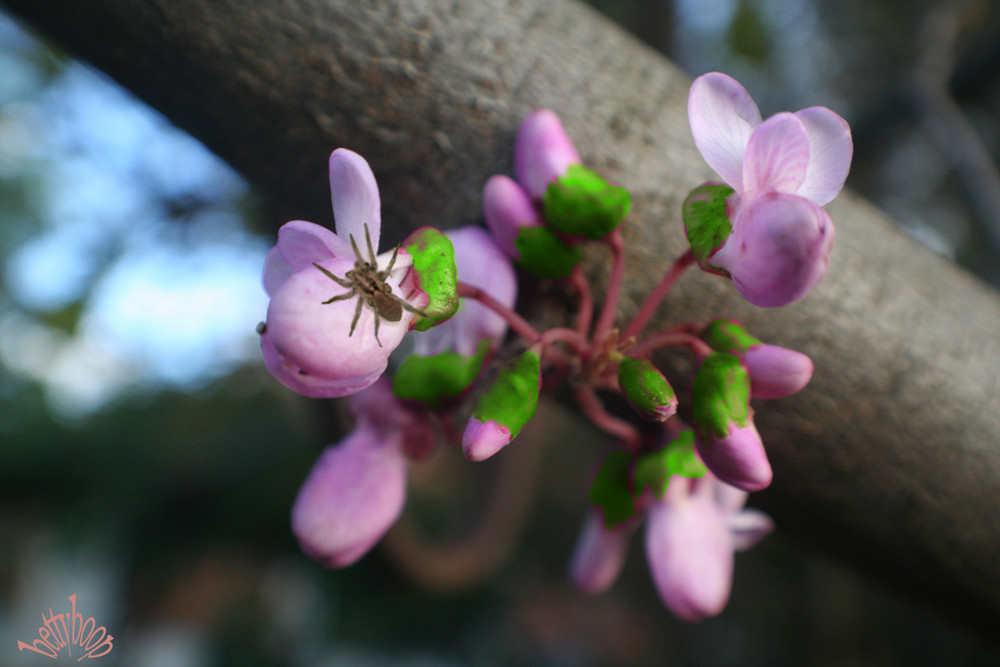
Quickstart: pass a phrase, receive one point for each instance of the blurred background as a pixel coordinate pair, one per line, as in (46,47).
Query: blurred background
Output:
(148,462)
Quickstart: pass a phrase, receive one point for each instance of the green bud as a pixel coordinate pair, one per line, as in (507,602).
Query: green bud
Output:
(720,395)
(543,254)
(432,379)
(677,458)
(513,397)
(705,221)
(646,389)
(725,335)
(611,490)
(434,262)
(581,202)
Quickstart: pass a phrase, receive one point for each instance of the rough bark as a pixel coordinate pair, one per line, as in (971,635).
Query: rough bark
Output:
(890,457)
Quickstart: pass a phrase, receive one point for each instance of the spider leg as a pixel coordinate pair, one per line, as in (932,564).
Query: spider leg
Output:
(357,314)
(371,251)
(377,318)
(385,274)
(341,297)
(406,306)
(339,281)
(357,253)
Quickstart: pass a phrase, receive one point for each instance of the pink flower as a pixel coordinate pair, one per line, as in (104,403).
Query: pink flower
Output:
(776,372)
(737,458)
(480,264)
(691,535)
(322,337)
(782,171)
(357,489)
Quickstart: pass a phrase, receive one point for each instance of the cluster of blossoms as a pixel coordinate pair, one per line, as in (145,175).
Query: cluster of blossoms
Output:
(338,310)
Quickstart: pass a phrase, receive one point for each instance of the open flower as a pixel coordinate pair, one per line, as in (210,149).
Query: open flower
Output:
(691,535)
(782,171)
(337,310)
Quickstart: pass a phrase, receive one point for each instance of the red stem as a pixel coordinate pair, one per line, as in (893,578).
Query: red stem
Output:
(516,322)
(610,307)
(585,315)
(594,409)
(668,338)
(656,297)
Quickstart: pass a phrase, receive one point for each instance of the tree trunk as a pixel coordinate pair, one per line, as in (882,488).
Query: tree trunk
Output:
(890,457)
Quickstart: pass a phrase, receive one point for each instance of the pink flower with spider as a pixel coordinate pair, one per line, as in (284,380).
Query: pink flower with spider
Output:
(337,309)
(782,170)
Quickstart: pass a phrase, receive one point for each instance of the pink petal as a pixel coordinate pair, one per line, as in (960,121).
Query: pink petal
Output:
(690,555)
(352,496)
(542,151)
(311,385)
(599,554)
(355,198)
(482,440)
(830,152)
(776,372)
(777,155)
(722,116)
(507,208)
(778,250)
(738,458)
(276,270)
(748,527)
(301,243)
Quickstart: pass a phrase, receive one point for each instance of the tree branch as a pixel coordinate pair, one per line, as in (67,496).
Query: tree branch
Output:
(890,457)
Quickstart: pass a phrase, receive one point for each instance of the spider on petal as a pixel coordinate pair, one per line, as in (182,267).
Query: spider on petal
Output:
(369,284)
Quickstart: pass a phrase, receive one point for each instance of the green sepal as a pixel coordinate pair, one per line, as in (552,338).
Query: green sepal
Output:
(677,458)
(611,490)
(720,395)
(513,397)
(582,202)
(726,335)
(705,221)
(432,379)
(544,254)
(434,263)
(645,388)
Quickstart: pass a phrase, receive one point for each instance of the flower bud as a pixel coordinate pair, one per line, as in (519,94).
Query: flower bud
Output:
(599,554)
(727,439)
(353,494)
(508,209)
(504,408)
(646,390)
(542,152)
(777,372)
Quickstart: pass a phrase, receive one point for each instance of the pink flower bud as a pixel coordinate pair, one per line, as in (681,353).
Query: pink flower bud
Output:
(776,372)
(353,494)
(599,554)
(690,551)
(738,458)
(483,439)
(778,250)
(542,151)
(507,208)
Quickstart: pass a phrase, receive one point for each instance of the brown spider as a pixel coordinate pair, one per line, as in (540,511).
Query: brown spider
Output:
(366,281)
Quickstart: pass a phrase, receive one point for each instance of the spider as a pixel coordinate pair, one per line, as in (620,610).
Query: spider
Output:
(366,281)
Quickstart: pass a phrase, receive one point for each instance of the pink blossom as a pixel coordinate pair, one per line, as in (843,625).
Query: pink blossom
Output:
(782,171)
(737,458)
(357,488)
(691,535)
(323,348)
(776,372)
